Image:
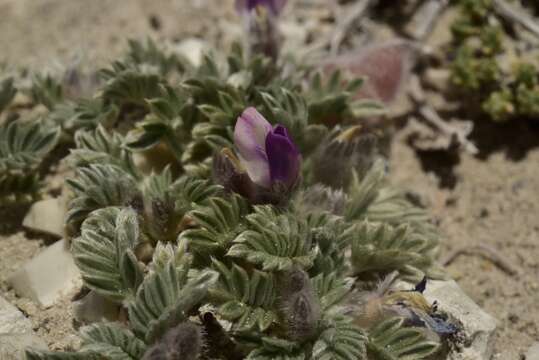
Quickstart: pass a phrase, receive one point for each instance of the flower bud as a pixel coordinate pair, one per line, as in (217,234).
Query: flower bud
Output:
(267,167)
(183,342)
(260,17)
(300,307)
(349,151)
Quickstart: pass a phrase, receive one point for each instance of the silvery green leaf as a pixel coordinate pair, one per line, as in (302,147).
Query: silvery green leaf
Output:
(391,340)
(244,299)
(341,340)
(100,249)
(47,90)
(331,289)
(367,108)
(189,192)
(99,186)
(148,52)
(23,147)
(379,246)
(275,242)
(166,252)
(50,355)
(127,230)
(113,341)
(7,92)
(275,348)
(101,147)
(131,270)
(165,297)
(131,87)
(218,224)
(330,97)
(363,192)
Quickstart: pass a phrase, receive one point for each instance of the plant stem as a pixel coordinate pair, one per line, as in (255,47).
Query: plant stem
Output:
(513,14)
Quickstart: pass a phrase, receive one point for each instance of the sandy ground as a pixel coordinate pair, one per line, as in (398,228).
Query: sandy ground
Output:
(493,201)
(43,32)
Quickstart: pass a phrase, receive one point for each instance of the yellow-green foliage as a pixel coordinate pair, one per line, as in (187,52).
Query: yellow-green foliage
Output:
(479,39)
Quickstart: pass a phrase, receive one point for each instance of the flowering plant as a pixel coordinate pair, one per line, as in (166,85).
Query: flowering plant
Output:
(219,232)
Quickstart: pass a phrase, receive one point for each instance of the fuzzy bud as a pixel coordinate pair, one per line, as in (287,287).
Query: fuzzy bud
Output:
(338,157)
(300,307)
(319,198)
(183,342)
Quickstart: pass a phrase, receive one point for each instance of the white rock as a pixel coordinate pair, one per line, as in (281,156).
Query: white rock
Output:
(533,352)
(16,333)
(47,216)
(94,307)
(192,49)
(48,276)
(12,321)
(12,347)
(478,326)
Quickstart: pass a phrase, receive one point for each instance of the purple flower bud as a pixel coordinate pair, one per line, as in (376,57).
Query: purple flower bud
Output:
(275,6)
(183,342)
(283,157)
(337,157)
(300,306)
(268,154)
(261,25)
(267,168)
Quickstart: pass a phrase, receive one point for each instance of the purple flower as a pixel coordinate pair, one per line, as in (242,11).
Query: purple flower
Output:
(261,25)
(268,154)
(275,6)
(267,166)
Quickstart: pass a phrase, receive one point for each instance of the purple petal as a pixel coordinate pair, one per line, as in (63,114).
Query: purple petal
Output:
(280,130)
(275,6)
(250,135)
(283,157)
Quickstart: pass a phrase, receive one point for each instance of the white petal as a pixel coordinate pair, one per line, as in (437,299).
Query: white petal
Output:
(250,140)
(258,169)
(251,128)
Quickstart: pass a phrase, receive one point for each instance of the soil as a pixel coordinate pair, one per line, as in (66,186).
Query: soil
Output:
(493,203)
(486,200)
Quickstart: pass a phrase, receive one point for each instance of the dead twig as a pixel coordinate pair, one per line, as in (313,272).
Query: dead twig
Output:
(429,114)
(486,251)
(424,19)
(434,119)
(355,13)
(513,14)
